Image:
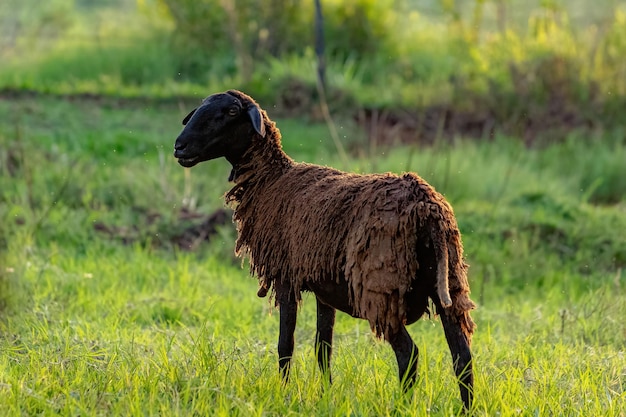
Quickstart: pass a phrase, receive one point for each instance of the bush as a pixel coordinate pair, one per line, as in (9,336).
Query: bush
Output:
(253,30)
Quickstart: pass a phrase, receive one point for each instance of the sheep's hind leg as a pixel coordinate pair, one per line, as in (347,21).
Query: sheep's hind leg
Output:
(461,355)
(406,355)
(288,314)
(324,337)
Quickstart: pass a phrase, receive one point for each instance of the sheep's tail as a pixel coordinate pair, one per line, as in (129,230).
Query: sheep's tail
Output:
(443,285)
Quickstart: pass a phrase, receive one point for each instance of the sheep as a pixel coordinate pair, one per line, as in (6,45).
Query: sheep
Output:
(374,246)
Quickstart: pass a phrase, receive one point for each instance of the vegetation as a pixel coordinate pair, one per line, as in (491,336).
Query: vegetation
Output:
(102,312)
(444,51)
(125,322)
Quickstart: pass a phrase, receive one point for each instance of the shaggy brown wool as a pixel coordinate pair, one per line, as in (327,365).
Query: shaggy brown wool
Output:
(299,222)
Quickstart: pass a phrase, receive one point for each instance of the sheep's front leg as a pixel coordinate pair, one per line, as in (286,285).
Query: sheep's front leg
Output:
(461,355)
(288,314)
(406,355)
(324,337)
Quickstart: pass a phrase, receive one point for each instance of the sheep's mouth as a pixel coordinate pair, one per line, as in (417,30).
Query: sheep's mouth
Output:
(189,162)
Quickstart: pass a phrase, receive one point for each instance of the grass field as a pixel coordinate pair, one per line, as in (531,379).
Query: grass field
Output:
(102,313)
(128,324)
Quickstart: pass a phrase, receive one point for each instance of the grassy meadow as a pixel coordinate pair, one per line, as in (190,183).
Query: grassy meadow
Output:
(103,313)
(128,324)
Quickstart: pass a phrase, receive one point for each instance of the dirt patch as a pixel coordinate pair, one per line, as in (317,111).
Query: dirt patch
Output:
(542,101)
(434,124)
(426,126)
(190,231)
(192,236)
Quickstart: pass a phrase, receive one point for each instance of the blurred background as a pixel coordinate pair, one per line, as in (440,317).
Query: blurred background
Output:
(528,68)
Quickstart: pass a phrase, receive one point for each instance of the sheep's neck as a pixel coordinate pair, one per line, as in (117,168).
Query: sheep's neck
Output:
(262,164)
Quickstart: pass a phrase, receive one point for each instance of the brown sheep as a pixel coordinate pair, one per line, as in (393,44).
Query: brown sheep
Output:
(374,246)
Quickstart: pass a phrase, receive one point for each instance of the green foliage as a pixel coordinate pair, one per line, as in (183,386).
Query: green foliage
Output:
(277,28)
(361,28)
(534,71)
(258,28)
(35,20)
(243,31)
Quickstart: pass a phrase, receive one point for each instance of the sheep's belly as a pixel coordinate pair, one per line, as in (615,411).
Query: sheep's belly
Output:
(334,226)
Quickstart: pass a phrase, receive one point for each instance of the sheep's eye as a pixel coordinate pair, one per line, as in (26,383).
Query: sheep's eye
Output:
(233,111)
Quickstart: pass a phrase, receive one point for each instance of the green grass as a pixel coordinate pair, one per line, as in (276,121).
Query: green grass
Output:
(92,326)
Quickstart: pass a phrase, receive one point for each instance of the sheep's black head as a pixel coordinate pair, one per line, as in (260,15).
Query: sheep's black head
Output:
(222,126)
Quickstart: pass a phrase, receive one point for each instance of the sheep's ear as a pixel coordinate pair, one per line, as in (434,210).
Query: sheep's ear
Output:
(257,120)
(186,119)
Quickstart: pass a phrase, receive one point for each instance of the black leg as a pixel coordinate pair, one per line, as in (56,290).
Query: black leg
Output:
(324,337)
(406,355)
(288,314)
(461,356)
